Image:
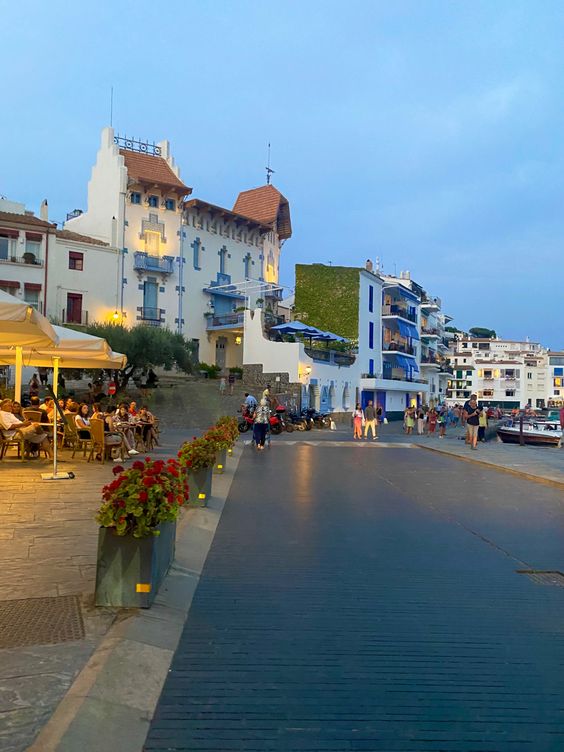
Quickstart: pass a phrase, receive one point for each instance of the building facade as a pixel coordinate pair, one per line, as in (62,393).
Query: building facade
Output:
(504,373)
(185,264)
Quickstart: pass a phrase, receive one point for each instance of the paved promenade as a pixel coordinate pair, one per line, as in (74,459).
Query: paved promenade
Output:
(370,599)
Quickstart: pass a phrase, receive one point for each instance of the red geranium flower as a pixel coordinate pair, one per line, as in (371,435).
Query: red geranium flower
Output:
(117,469)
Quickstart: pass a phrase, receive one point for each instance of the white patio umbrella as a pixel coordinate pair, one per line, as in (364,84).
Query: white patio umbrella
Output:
(74,350)
(22,326)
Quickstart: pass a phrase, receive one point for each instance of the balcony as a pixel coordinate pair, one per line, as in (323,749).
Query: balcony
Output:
(145,262)
(429,360)
(225,321)
(332,357)
(427,331)
(430,304)
(78,318)
(28,258)
(398,310)
(395,347)
(150,316)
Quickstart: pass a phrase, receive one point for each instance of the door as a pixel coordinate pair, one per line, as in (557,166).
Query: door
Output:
(381,402)
(150,296)
(366,396)
(74,308)
(220,346)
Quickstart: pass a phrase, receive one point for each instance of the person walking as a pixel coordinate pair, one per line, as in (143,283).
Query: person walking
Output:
(442,419)
(231,382)
(472,416)
(482,425)
(370,420)
(260,427)
(222,386)
(409,420)
(34,386)
(432,421)
(420,421)
(357,419)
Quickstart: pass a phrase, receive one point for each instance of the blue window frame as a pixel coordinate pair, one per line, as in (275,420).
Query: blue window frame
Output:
(371,335)
(170,204)
(196,247)
(559,371)
(135,198)
(154,202)
(371,299)
(371,367)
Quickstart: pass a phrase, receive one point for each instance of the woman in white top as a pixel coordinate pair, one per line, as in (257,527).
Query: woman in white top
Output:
(82,421)
(358,420)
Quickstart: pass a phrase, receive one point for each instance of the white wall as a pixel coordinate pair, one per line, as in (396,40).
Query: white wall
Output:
(365,354)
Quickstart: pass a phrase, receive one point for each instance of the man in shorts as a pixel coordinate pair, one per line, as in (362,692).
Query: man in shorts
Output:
(472,415)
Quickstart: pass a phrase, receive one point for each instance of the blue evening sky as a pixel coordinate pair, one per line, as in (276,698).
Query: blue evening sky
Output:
(428,133)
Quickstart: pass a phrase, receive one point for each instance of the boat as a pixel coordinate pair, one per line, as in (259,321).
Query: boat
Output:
(537,433)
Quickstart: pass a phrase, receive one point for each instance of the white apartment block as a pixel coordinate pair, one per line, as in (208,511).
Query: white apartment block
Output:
(555,379)
(505,373)
(182,261)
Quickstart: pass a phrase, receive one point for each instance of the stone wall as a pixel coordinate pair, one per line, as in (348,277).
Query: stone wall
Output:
(253,376)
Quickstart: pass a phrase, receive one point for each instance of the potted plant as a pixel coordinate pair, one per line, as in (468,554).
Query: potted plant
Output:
(222,439)
(197,458)
(230,425)
(136,540)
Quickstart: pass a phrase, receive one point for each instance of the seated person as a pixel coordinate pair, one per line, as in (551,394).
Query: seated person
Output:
(11,425)
(17,410)
(122,422)
(82,421)
(133,408)
(146,421)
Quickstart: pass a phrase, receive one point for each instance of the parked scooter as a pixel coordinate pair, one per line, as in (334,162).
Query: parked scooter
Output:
(247,422)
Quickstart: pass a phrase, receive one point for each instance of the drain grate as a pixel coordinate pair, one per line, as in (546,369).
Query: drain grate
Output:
(544,577)
(40,621)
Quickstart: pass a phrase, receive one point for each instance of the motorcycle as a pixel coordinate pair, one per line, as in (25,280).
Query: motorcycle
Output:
(285,422)
(297,421)
(247,421)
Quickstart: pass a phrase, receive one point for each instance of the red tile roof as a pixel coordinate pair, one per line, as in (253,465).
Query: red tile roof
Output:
(146,168)
(266,204)
(68,235)
(25,219)
(197,203)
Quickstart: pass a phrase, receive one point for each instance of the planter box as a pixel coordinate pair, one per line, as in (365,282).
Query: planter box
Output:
(220,461)
(129,570)
(200,484)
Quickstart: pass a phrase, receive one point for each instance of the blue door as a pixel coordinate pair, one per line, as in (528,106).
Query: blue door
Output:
(381,401)
(365,397)
(150,293)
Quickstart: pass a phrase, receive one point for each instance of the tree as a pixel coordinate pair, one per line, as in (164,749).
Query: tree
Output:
(146,346)
(482,333)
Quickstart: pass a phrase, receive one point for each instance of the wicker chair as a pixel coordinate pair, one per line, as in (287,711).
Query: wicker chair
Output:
(33,415)
(102,442)
(72,438)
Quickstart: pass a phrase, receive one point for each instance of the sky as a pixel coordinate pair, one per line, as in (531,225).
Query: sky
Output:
(426,133)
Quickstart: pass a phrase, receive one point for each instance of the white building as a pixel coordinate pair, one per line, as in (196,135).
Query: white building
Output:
(180,257)
(505,373)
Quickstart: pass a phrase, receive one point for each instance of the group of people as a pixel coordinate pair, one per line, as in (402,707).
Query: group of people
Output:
(426,421)
(13,425)
(367,419)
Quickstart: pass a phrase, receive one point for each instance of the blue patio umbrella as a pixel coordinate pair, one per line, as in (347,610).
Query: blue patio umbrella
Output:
(296,327)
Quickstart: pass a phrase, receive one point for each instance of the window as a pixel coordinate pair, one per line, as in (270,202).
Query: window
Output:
(529,375)
(465,344)
(371,298)
(76,261)
(557,392)
(150,297)
(488,392)
(154,202)
(247,264)
(196,248)
(152,242)
(559,371)
(7,247)
(135,197)
(371,335)
(10,287)
(170,204)
(558,382)
(371,367)
(556,361)
(222,257)
(510,392)
(33,247)
(31,296)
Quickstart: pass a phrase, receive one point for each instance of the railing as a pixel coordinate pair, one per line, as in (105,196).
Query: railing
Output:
(150,314)
(74,213)
(397,310)
(429,359)
(426,301)
(398,347)
(430,331)
(27,258)
(145,262)
(227,319)
(333,357)
(80,317)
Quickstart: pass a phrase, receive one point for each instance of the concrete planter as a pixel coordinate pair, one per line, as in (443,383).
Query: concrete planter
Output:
(200,483)
(220,460)
(129,570)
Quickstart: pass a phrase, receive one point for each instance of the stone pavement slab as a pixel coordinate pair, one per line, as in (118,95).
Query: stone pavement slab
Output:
(357,603)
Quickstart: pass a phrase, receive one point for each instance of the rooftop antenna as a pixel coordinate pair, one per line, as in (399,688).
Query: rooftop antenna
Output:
(377,263)
(269,170)
(111,106)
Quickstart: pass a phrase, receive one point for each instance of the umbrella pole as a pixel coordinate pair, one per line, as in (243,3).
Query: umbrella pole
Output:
(18,382)
(55,475)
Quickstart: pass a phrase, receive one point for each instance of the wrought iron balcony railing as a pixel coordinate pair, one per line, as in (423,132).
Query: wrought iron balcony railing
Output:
(146,262)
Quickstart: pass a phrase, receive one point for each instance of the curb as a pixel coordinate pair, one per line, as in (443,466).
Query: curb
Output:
(493,466)
(98,710)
